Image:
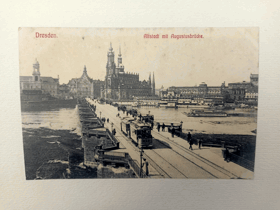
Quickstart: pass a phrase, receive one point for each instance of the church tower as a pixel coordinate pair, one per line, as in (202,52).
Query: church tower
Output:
(36,72)
(153,86)
(120,67)
(120,57)
(110,67)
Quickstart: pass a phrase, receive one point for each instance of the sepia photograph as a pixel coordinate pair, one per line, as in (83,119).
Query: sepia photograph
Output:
(149,103)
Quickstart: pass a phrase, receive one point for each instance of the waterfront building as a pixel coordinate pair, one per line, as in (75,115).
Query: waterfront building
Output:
(254,79)
(81,87)
(97,88)
(32,87)
(121,85)
(234,92)
(252,94)
(199,93)
(240,91)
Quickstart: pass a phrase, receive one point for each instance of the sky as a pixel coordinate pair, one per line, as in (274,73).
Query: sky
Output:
(223,54)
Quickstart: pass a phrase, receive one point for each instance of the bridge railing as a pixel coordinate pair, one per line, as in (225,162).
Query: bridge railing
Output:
(135,167)
(242,161)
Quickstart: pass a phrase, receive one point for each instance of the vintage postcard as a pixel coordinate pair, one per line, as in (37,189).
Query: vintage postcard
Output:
(139,102)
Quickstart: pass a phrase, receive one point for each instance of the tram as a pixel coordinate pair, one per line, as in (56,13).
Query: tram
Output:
(140,133)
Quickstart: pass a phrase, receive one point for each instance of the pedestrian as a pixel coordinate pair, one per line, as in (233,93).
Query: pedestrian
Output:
(191,143)
(107,120)
(172,131)
(140,116)
(146,164)
(199,143)
(152,125)
(190,140)
(227,155)
(189,136)
(147,168)
(158,127)
(163,127)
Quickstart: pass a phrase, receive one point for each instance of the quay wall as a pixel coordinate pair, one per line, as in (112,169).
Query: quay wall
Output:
(110,172)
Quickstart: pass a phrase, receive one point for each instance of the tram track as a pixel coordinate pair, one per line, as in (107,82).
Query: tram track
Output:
(198,157)
(159,169)
(164,167)
(156,166)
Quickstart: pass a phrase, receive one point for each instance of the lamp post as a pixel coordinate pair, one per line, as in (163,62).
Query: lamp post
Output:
(181,125)
(100,115)
(141,166)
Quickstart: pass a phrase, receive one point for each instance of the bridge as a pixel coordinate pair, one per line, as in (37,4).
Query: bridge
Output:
(171,158)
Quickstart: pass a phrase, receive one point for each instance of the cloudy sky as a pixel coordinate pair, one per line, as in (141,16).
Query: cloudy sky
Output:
(223,54)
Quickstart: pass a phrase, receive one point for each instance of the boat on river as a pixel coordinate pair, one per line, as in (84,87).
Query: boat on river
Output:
(206,113)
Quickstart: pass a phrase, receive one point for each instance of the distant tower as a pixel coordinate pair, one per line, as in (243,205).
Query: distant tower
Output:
(85,70)
(154,85)
(150,81)
(110,67)
(36,71)
(120,67)
(120,57)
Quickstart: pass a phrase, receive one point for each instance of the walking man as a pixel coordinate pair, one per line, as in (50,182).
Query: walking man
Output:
(199,143)
(172,131)
(152,125)
(190,140)
(163,127)
(191,143)
(158,127)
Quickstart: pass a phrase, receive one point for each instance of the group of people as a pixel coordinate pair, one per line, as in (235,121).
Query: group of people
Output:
(163,127)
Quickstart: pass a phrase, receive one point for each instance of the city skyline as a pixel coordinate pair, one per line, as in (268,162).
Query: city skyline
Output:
(229,54)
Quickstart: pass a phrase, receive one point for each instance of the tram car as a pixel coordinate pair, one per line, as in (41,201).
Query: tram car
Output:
(140,133)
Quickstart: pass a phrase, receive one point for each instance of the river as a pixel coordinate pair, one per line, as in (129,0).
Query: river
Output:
(68,119)
(55,119)
(209,125)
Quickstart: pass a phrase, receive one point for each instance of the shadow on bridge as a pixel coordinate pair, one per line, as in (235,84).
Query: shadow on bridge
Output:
(158,144)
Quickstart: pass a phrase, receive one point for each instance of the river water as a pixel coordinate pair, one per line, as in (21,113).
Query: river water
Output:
(209,125)
(56,119)
(68,118)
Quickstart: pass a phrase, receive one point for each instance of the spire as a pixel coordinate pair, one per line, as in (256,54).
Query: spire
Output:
(120,58)
(85,68)
(120,54)
(111,48)
(154,85)
(36,67)
(150,81)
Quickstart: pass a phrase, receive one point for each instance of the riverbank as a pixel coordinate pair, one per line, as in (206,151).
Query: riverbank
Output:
(47,152)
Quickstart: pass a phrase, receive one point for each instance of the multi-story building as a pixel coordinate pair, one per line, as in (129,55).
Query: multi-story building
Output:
(121,85)
(254,79)
(81,87)
(239,91)
(199,93)
(97,87)
(35,85)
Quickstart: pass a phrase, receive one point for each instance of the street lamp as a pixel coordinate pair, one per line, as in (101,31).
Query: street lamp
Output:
(141,166)
(181,125)
(100,115)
